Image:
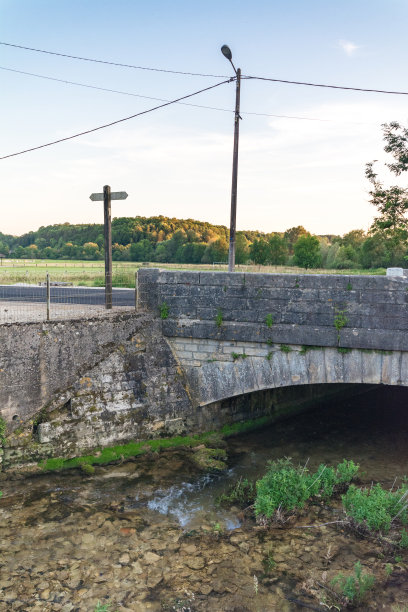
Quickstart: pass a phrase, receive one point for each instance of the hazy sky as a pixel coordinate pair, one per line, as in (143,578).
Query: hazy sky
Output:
(177,161)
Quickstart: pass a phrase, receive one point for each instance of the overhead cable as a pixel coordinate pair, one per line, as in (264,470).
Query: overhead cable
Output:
(127,93)
(382,91)
(98,61)
(218,76)
(101,127)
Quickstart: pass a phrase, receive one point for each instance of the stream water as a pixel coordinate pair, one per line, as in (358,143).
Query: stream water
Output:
(148,534)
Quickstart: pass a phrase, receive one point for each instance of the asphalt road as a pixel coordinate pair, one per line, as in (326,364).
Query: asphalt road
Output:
(66,295)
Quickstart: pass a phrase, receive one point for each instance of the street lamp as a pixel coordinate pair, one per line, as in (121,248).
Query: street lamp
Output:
(226,51)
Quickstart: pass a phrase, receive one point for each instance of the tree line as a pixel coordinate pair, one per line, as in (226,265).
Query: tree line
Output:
(170,240)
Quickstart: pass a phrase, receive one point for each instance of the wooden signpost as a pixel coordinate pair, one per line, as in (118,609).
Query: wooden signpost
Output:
(107,196)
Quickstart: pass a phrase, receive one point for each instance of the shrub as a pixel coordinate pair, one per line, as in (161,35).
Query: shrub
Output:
(376,508)
(354,587)
(286,487)
(164,310)
(242,492)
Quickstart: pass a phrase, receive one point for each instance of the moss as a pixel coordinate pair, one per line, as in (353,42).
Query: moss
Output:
(210,458)
(134,449)
(2,432)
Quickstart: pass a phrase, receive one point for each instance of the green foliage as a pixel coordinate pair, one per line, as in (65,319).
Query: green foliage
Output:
(269,320)
(102,607)
(219,318)
(286,487)
(355,587)
(164,310)
(375,508)
(133,449)
(285,348)
(340,320)
(307,252)
(404,539)
(308,347)
(269,355)
(343,350)
(236,356)
(3,429)
(349,286)
(243,492)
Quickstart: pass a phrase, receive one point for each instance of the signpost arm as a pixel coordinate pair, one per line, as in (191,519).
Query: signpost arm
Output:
(108,245)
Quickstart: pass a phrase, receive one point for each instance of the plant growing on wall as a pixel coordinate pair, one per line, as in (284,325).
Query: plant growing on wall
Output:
(269,320)
(340,320)
(219,318)
(164,310)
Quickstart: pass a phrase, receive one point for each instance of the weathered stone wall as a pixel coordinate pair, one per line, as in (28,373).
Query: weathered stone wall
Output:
(39,359)
(303,307)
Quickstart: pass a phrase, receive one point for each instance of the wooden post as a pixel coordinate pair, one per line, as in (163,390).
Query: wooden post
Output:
(108,245)
(48,296)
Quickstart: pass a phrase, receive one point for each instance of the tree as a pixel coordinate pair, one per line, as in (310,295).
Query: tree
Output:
(292,235)
(307,252)
(259,251)
(241,248)
(391,202)
(278,250)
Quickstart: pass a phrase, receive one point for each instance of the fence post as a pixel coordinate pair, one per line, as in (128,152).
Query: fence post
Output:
(48,296)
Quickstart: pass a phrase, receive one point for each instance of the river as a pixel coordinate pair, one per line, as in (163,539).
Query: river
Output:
(148,534)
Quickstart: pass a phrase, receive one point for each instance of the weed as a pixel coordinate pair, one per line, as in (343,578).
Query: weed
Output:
(297,283)
(164,310)
(285,348)
(349,286)
(2,431)
(376,508)
(340,320)
(102,607)
(389,568)
(343,350)
(355,587)
(308,347)
(398,559)
(269,562)
(243,492)
(404,540)
(236,356)
(269,320)
(219,318)
(269,355)
(269,342)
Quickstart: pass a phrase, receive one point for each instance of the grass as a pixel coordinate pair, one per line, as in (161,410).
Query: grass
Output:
(91,273)
(134,449)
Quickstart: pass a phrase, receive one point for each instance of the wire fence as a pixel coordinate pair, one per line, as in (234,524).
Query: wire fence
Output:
(53,299)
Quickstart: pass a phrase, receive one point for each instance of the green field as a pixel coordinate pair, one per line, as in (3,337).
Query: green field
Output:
(92,274)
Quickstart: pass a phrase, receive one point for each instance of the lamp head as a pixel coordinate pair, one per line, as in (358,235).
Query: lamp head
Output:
(226,51)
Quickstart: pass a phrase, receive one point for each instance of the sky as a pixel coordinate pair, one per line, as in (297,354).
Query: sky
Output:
(302,150)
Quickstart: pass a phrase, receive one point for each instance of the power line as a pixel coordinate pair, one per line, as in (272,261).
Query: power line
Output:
(126,93)
(382,91)
(218,76)
(98,61)
(101,127)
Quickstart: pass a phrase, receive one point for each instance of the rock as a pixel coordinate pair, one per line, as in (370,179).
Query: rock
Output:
(151,558)
(205,589)
(154,578)
(124,559)
(195,563)
(137,568)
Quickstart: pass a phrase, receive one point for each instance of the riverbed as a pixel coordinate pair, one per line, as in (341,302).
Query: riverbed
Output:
(149,535)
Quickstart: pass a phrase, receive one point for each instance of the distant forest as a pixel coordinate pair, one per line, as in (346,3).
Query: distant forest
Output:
(161,239)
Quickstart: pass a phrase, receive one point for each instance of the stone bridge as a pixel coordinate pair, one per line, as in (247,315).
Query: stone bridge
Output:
(198,344)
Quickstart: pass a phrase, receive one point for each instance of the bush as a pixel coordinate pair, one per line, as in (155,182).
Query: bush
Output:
(376,508)
(286,487)
(354,587)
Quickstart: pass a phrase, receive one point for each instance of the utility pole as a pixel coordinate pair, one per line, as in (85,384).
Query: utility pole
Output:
(226,51)
(107,196)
